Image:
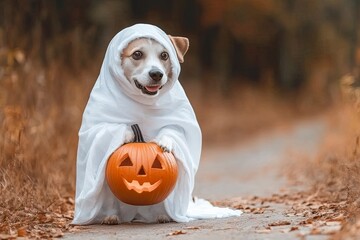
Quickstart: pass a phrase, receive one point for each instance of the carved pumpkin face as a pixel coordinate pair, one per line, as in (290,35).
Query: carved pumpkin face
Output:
(141,173)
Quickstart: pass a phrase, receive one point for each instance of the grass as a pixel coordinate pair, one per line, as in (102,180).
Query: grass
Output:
(335,172)
(40,112)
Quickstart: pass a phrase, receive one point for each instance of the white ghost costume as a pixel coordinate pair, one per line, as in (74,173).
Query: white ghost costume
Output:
(113,106)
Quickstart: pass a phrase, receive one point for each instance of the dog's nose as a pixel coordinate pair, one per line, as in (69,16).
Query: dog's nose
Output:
(156,75)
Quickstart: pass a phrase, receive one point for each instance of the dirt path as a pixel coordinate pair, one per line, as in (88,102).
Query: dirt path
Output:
(242,171)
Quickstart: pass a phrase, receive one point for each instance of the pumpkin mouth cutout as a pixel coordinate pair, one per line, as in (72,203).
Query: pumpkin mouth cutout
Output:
(139,188)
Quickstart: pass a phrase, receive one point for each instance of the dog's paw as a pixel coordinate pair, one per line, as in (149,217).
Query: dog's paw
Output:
(163,219)
(165,143)
(129,136)
(111,220)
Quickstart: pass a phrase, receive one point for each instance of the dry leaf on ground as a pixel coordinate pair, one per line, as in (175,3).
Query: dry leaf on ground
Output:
(279,223)
(192,228)
(290,229)
(176,232)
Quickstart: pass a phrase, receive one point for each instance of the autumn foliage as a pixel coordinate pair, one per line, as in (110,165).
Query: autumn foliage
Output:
(252,65)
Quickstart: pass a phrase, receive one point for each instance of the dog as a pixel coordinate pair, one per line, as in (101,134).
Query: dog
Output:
(139,84)
(147,67)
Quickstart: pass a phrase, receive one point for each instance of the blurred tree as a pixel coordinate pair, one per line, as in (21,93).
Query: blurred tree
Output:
(290,44)
(61,30)
(285,43)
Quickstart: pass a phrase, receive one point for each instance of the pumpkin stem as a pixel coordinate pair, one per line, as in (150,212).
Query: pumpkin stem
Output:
(138,136)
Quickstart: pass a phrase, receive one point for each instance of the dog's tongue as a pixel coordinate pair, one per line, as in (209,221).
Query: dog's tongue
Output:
(152,88)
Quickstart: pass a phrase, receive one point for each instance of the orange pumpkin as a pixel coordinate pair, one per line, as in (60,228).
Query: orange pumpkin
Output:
(141,173)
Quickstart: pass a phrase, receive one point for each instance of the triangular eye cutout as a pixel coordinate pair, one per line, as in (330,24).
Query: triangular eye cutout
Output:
(156,163)
(126,162)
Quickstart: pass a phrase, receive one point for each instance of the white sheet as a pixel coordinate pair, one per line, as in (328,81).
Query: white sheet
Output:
(113,105)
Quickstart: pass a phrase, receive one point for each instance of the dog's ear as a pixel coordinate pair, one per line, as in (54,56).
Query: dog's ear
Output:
(181,45)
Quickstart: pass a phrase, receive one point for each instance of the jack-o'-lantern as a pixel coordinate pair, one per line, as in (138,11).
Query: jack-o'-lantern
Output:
(140,173)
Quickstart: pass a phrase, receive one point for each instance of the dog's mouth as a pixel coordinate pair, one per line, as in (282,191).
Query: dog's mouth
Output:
(148,89)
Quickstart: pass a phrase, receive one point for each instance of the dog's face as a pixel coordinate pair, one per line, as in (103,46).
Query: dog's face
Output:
(146,65)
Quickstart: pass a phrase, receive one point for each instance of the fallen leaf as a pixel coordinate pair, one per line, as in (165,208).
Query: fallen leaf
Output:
(177,232)
(21,232)
(240,206)
(77,228)
(70,200)
(257,210)
(56,233)
(192,228)
(279,223)
(287,230)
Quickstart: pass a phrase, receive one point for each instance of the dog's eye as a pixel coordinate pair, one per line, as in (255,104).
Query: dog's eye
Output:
(137,55)
(164,56)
